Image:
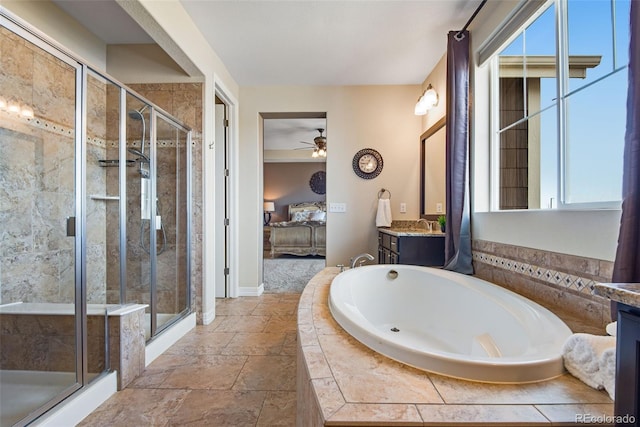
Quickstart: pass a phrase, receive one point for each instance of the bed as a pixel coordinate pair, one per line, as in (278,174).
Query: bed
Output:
(305,232)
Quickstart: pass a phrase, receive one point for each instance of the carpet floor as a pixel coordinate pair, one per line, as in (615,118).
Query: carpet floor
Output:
(290,274)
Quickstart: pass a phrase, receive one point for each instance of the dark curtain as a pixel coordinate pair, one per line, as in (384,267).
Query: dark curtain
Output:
(458,233)
(627,264)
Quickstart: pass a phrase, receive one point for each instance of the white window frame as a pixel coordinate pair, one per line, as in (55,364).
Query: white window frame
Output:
(562,80)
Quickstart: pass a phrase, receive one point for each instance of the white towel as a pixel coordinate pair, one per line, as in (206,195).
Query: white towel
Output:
(383,217)
(608,371)
(581,354)
(612,328)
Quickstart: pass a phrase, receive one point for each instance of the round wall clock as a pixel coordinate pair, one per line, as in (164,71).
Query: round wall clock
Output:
(367,163)
(318,182)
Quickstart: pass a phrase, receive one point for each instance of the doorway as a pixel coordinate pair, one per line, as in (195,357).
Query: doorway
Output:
(295,149)
(222,210)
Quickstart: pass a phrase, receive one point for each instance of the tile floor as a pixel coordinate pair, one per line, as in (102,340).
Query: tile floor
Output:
(238,371)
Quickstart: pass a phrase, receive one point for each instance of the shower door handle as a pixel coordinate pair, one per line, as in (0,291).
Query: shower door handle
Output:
(71,226)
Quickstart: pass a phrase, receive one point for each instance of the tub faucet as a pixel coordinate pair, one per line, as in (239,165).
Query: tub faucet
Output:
(358,260)
(427,223)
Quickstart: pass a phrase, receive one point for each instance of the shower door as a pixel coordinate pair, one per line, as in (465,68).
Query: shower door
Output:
(41,318)
(172,154)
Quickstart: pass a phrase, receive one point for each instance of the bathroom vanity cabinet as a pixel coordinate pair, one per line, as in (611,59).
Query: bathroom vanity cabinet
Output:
(410,247)
(627,386)
(628,359)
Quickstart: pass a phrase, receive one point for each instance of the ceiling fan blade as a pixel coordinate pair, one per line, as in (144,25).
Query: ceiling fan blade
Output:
(304,148)
(305,142)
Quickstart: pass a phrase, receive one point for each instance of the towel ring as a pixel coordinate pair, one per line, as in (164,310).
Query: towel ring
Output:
(382,191)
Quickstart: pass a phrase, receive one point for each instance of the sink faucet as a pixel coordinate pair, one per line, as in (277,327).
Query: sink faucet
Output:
(428,224)
(358,260)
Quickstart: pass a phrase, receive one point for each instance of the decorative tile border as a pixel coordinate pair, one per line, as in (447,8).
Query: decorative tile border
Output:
(554,277)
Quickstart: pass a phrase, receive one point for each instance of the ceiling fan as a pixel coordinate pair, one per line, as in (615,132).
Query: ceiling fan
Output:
(319,145)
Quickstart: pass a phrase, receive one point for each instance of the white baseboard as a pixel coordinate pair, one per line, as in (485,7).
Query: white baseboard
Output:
(251,291)
(80,405)
(168,338)
(208,317)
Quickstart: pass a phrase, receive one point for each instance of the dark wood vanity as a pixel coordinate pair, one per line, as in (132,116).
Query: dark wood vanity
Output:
(414,247)
(627,401)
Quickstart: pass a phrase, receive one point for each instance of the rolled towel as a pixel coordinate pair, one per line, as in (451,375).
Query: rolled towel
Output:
(581,354)
(612,328)
(608,371)
(383,216)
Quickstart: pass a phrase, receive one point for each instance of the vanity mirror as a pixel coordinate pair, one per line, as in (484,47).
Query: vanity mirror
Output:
(432,170)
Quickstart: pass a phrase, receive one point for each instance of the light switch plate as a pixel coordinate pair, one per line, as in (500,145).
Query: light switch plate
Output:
(403,208)
(439,207)
(337,207)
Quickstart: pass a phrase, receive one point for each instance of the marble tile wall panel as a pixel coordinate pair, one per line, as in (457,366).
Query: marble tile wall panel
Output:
(37,157)
(556,280)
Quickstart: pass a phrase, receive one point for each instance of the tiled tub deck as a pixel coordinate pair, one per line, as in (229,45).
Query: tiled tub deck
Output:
(340,382)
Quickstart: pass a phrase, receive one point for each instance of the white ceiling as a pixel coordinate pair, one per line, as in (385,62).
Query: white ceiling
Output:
(304,42)
(329,42)
(287,134)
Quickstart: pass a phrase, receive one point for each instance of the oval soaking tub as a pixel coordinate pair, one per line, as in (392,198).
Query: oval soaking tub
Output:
(449,323)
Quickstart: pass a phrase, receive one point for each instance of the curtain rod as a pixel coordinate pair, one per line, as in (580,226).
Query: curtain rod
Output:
(459,35)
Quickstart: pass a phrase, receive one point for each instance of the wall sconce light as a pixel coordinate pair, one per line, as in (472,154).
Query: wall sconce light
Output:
(428,100)
(268,208)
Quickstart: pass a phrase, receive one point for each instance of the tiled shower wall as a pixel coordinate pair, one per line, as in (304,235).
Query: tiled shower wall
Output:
(36,171)
(185,102)
(560,281)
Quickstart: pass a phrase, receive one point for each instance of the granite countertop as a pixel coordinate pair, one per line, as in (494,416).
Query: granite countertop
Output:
(399,232)
(625,293)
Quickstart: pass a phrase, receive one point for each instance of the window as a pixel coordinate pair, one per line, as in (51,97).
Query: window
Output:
(559,106)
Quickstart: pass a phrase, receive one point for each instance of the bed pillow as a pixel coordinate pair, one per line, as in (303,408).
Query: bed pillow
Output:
(318,216)
(301,216)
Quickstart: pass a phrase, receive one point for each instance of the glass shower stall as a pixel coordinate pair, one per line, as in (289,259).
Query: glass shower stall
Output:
(95,196)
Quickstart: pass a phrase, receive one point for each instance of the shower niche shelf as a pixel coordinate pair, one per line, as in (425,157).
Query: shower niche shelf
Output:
(114,162)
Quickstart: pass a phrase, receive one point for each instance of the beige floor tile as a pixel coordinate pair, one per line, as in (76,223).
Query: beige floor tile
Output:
(212,408)
(276,308)
(243,324)
(255,344)
(235,306)
(268,373)
(282,323)
(279,409)
(201,342)
(211,372)
(290,346)
(135,407)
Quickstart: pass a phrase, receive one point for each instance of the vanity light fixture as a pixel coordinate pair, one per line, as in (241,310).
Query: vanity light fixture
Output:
(428,100)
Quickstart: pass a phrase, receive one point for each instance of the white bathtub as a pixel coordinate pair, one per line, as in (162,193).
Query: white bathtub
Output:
(448,323)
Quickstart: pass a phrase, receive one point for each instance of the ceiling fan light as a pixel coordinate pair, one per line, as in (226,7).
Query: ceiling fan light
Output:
(315,153)
(322,152)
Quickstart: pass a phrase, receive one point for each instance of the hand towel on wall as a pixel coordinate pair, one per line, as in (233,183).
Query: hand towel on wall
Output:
(581,354)
(383,217)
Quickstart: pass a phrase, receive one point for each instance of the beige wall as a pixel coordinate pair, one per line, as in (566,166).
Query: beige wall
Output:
(378,117)
(590,233)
